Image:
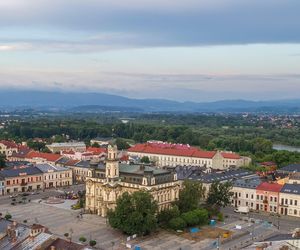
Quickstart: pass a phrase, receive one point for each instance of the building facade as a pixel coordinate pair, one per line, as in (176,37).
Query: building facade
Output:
(289,198)
(166,154)
(109,181)
(55,176)
(74,146)
(22,179)
(7,148)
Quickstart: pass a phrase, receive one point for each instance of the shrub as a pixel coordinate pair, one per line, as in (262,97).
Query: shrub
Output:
(7,216)
(202,215)
(220,217)
(166,215)
(82,239)
(66,235)
(93,243)
(177,223)
(191,218)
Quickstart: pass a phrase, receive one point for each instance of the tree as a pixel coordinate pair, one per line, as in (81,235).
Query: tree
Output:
(166,215)
(122,144)
(190,218)
(219,194)
(190,196)
(93,243)
(177,223)
(134,213)
(2,160)
(8,216)
(82,239)
(95,145)
(145,159)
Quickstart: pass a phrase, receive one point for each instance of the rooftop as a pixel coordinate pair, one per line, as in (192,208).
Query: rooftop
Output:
(48,168)
(68,144)
(140,169)
(14,172)
(177,150)
(251,183)
(46,156)
(271,187)
(291,168)
(291,189)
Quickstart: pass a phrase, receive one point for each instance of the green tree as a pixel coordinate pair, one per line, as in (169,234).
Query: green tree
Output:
(92,243)
(145,159)
(191,218)
(166,215)
(8,216)
(219,194)
(122,144)
(134,213)
(82,239)
(95,145)
(190,196)
(177,223)
(2,160)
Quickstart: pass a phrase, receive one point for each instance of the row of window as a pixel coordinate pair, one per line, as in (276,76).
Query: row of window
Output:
(23,181)
(286,202)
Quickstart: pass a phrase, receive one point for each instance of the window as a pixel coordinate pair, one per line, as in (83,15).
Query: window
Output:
(261,197)
(271,198)
(275,199)
(239,194)
(252,196)
(282,201)
(257,197)
(275,209)
(247,196)
(291,202)
(295,211)
(286,201)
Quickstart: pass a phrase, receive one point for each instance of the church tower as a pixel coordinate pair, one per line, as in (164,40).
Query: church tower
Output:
(112,163)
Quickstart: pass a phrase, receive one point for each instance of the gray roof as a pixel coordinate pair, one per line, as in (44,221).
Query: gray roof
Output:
(280,237)
(68,144)
(63,160)
(290,168)
(290,189)
(14,172)
(251,183)
(140,169)
(83,164)
(193,173)
(45,167)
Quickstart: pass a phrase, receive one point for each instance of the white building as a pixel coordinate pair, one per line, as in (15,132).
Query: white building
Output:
(55,176)
(75,146)
(166,154)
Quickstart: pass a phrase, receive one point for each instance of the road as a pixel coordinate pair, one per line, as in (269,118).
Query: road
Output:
(286,223)
(44,194)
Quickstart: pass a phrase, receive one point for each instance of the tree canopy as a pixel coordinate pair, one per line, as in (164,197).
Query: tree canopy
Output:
(134,213)
(219,194)
(190,196)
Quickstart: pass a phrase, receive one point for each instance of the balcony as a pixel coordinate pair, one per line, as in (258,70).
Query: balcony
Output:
(265,201)
(23,183)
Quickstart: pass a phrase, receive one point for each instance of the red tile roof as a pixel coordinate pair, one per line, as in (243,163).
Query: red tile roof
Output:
(95,150)
(9,144)
(47,156)
(177,149)
(71,162)
(271,187)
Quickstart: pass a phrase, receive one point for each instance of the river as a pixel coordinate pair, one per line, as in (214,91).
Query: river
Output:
(286,147)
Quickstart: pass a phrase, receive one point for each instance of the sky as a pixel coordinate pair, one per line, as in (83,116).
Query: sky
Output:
(192,50)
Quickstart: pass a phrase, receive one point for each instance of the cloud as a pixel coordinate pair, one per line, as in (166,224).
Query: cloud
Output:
(135,23)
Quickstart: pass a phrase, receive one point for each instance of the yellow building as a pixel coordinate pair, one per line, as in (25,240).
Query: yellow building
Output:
(108,181)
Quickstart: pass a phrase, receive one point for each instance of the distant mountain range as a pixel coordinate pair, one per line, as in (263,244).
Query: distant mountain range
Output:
(99,102)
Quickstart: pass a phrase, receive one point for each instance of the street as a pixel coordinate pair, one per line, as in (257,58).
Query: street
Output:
(44,194)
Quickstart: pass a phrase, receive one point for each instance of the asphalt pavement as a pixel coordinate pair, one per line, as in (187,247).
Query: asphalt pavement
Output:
(44,194)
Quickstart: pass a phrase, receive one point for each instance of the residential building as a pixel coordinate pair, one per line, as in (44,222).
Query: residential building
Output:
(207,176)
(289,169)
(167,154)
(89,154)
(8,147)
(289,197)
(102,141)
(267,197)
(109,180)
(39,157)
(244,192)
(55,176)
(294,178)
(22,179)
(74,146)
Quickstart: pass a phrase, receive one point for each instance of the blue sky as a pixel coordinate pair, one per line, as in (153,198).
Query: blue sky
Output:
(195,50)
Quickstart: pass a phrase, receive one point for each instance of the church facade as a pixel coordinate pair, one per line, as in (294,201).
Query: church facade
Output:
(106,182)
